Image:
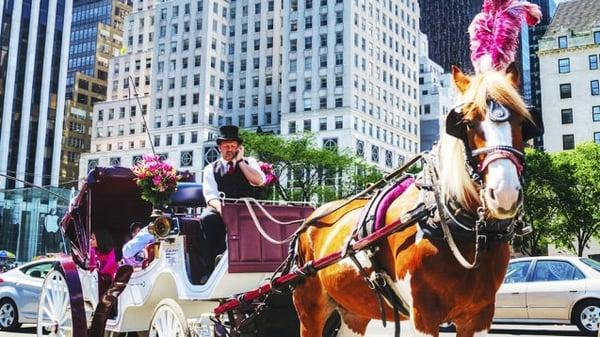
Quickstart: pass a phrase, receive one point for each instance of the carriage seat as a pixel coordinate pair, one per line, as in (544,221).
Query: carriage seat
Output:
(188,195)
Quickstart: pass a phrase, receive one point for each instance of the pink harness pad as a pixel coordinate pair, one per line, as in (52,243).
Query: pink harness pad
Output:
(392,195)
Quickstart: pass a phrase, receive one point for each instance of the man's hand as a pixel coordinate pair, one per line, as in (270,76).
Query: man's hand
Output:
(215,204)
(240,153)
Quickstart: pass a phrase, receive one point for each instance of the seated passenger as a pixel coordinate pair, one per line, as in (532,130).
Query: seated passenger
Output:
(102,253)
(133,250)
(234,175)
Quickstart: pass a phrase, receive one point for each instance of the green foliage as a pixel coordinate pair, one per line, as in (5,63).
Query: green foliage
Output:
(577,188)
(562,194)
(312,173)
(540,202)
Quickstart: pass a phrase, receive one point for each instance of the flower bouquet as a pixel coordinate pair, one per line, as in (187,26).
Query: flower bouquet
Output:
(157,179)
(267,169)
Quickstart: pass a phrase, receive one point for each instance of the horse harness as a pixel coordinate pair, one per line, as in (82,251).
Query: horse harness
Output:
(438,219)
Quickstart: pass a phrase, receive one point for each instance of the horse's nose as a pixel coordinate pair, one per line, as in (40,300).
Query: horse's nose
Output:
(503,198)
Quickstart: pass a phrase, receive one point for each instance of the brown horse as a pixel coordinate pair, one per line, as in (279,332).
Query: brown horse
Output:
(479,170)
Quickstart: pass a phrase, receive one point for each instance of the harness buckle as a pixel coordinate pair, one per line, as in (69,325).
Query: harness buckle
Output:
(481,240)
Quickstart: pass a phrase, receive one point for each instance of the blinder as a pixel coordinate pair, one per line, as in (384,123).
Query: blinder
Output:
(456,127)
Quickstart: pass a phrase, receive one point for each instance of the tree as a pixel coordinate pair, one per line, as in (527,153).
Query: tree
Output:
(540,204)
(311,172)
(578,196)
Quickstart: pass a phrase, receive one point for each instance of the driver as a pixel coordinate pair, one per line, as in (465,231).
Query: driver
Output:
(234,175)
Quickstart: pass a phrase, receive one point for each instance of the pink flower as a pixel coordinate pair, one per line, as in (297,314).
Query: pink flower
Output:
(156,180)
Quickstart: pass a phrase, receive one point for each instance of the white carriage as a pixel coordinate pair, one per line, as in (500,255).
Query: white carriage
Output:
(166,296)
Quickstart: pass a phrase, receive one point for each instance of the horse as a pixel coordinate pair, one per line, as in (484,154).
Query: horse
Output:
(479,163)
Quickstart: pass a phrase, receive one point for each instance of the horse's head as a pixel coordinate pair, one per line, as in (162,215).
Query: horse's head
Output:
(490,127)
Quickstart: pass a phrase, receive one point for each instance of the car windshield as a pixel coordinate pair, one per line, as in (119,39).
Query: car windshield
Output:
(592,263)
(38,270)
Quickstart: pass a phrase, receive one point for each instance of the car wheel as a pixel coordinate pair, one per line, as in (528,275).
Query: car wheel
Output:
(447,327)
(9,315)
(586,316)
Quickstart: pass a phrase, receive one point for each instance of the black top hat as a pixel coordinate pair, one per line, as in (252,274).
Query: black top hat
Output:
(229,132)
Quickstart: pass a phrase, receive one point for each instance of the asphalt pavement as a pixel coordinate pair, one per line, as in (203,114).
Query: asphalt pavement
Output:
(376,330)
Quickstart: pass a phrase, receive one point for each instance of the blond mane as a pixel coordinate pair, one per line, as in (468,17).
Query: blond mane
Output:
(455,181)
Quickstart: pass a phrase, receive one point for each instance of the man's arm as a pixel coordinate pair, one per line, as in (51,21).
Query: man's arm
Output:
(252,171)
(210,189)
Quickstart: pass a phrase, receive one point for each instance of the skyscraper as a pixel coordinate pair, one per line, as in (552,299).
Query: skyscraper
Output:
(345,70)
(446,25)
(96,37)
(33,66)
(534,35)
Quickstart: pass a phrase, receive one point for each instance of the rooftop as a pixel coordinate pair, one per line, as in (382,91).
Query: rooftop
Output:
(576,15)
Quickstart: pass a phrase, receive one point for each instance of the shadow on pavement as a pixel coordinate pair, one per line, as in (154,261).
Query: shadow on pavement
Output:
(537,332)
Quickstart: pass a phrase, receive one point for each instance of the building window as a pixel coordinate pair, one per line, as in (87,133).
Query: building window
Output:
(564,66)
(307,104)
(562,42)
(566,116)
(593,62)
(187,158)
(136,159)
(92,164)
(323,103)
(388,158)
(568,142)
(307,125)
(322,124)
(115,161)
(596,113)
(330,144)
(375,153)
(339,122)
(339,102)
(565,90)
(291,127)
(360,148)
(597,137)
(597,37)
(210,155)
(595,87)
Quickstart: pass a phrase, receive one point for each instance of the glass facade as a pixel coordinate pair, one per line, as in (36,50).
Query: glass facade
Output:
(22,100)
(84,35)
(29,220)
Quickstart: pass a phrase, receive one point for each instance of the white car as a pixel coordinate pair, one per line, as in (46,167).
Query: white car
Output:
(20,290)
(551,289)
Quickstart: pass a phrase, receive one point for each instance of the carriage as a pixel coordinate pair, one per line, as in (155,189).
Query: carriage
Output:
(166,295)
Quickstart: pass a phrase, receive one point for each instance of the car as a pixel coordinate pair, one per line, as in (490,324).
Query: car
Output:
(551,289)
(20,290)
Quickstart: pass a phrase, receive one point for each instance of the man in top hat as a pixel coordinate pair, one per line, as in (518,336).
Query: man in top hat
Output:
(235,176)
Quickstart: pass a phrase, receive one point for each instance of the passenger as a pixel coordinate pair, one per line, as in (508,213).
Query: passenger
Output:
(235,176)
(133,250)
(102,253)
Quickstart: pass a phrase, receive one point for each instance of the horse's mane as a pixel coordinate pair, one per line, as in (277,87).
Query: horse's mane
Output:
(455,181)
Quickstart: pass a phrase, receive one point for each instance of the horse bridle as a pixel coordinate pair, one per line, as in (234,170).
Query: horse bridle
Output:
(476,166)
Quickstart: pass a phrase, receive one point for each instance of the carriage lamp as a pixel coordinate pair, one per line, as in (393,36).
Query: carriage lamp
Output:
(163,226)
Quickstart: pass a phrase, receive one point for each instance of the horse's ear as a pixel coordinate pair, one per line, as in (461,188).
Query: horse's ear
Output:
(461,80)
(512,72)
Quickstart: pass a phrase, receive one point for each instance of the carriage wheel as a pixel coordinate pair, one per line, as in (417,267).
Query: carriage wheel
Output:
(169,321)
(60,310)
(54,311)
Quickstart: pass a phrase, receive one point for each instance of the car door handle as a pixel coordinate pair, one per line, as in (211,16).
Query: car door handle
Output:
(515,293)
(573,291)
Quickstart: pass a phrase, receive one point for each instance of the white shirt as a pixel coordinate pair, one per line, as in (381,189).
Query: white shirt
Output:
(209,184)
(137,243)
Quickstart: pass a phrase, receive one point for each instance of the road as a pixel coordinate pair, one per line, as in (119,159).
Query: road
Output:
(376,330)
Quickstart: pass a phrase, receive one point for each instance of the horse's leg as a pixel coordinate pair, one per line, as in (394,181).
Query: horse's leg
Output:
(425,316)
(352,325)
(477,326)
(313,306)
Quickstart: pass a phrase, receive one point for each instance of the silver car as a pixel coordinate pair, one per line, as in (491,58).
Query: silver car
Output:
(551,289)
(20,290)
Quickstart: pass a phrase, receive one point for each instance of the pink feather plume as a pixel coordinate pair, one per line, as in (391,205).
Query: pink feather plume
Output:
(494,32)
